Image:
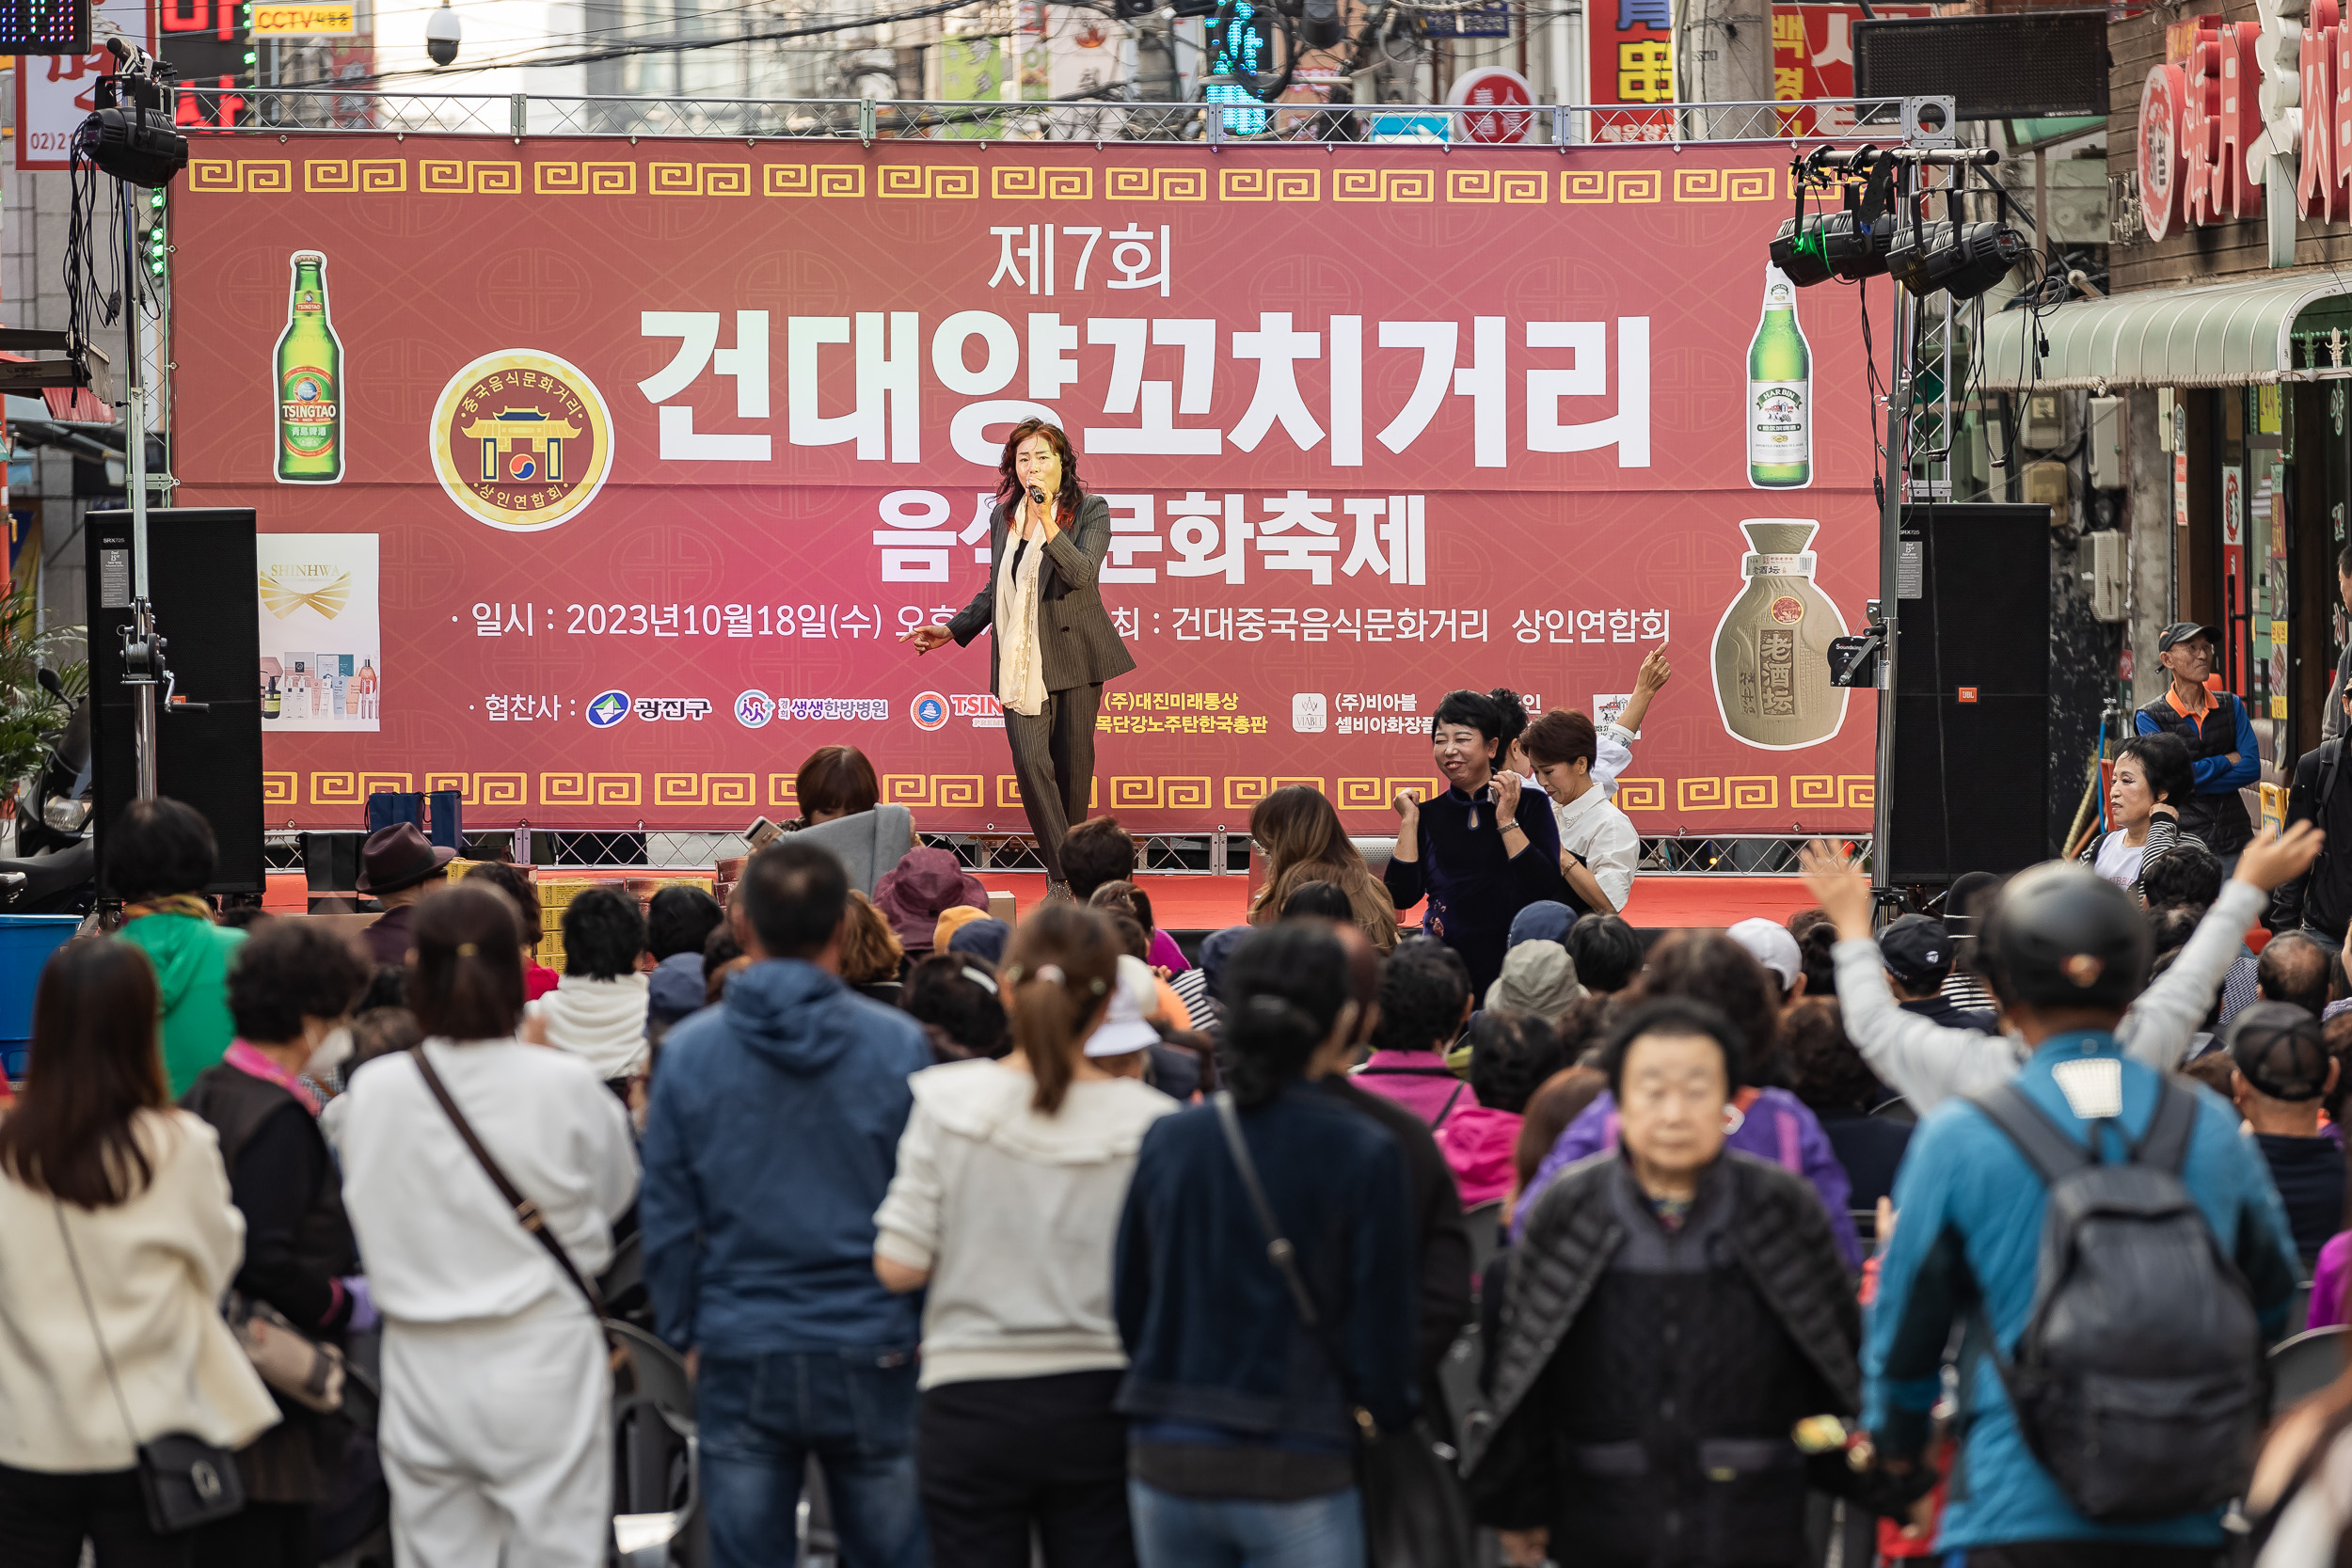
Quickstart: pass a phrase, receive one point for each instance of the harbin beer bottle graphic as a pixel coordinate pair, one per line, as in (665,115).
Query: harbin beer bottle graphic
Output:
(1780,392)
(1772,648)
(310,381)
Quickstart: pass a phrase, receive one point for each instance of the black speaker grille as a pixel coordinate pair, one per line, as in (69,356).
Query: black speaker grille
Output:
(201,572)
(1970,774)
(2010,67)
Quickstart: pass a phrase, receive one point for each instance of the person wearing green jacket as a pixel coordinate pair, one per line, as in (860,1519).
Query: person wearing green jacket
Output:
(160,854)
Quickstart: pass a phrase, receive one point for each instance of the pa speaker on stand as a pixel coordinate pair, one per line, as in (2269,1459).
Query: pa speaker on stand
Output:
(1970,773)
(202,577)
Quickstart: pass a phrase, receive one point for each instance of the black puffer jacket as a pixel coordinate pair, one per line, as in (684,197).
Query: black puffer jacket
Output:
(1645,1381)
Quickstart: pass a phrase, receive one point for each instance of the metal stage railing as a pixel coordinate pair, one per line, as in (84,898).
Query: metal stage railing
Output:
(1560,127)
(1204,854)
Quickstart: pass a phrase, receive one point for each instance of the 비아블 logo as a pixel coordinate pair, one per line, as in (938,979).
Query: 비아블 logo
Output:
(521,440)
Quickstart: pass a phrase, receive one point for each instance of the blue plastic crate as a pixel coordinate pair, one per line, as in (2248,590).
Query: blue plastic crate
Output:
(25,942)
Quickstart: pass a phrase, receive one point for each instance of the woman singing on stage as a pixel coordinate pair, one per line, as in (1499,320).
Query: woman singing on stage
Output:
(1054,645)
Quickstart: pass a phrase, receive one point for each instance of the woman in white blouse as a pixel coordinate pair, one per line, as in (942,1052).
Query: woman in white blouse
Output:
(1005,1203)
(117,1241)
(498,1404)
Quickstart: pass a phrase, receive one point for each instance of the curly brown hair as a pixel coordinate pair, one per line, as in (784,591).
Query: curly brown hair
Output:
(1008,479)
(870,952)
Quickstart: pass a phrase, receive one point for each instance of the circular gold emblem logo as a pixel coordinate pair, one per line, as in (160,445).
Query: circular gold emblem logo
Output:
(521,440)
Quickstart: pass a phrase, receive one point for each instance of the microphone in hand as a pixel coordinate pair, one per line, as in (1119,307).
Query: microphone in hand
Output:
(1037,494)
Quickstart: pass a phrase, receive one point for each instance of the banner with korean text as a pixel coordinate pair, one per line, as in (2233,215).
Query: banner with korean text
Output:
(659,448)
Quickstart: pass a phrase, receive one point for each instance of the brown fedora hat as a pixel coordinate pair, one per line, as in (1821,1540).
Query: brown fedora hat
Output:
(397,856)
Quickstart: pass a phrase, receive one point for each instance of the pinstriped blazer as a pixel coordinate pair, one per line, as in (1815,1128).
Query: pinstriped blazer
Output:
(1079,645)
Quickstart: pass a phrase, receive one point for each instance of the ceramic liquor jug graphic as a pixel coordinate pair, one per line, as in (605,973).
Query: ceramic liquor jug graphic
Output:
(1771,647)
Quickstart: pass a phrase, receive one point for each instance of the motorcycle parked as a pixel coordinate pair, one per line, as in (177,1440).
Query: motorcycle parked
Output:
(56,867)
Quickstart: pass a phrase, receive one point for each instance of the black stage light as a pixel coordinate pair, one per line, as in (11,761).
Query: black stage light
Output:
(1839,244)
(1961,258)
(133,142)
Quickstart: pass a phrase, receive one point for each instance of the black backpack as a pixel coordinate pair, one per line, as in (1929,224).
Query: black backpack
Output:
(2140,1382)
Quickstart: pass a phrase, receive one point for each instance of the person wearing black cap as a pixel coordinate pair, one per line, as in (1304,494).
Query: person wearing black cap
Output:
(399,866)
(1971,894)
(1917,953)
(2320,902)
(2219,735)
(2282,1073)
(2068,953)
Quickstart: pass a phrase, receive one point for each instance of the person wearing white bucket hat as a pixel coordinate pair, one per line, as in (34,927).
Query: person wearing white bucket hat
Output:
(1122,1044)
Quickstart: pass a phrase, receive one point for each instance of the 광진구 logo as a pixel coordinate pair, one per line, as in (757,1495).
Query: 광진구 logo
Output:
(521,440)
(607,708)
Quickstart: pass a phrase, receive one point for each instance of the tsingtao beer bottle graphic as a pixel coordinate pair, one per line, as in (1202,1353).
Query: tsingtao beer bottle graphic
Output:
(310,381)
(1780,392)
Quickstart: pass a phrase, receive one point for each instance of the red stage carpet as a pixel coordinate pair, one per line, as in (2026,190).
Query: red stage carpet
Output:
(1207,903)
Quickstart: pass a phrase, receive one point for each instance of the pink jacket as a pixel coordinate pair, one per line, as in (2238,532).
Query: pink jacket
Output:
(1478,1145)
(1418,1080)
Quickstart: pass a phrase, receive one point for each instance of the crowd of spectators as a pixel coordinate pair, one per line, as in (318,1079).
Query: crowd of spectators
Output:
(1044,1241)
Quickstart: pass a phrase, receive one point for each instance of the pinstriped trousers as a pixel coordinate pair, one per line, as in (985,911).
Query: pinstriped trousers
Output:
(1053,760)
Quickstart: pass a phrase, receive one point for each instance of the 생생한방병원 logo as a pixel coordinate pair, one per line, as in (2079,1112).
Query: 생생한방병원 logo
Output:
(521,440)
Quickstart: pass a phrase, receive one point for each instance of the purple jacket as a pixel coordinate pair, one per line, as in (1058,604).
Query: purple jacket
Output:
(2327,1276)
(1777,1127)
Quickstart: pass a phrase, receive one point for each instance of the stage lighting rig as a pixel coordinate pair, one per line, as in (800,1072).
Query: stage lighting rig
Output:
(1961,258)
(1849,244)
(130,135)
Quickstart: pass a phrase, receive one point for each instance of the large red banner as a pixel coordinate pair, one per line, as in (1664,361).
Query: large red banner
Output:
(598,480)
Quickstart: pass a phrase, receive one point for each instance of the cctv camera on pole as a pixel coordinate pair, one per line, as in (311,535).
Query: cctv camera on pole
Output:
(440,35)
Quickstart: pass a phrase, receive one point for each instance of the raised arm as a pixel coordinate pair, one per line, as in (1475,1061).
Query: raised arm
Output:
(1924,1062)
(1648,682)
(2158,1029)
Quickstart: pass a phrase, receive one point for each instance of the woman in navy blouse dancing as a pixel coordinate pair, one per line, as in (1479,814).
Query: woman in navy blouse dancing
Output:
(1486,849)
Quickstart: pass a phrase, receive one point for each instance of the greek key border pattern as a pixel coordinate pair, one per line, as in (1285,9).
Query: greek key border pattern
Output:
(1688,796)
(603,178)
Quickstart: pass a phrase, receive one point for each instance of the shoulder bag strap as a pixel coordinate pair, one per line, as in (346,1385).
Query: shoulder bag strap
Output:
(104,1358)
(525,1211)
(1279,1250)
(1447,1109)
(1284,1257)
(2051,1152)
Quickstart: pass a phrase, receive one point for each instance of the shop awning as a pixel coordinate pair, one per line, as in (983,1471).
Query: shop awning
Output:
(2229,334)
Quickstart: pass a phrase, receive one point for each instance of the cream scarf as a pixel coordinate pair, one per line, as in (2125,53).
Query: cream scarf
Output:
(1020,660)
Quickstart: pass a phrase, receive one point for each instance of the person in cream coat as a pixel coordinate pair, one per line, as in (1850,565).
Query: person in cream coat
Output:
(117,1241)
